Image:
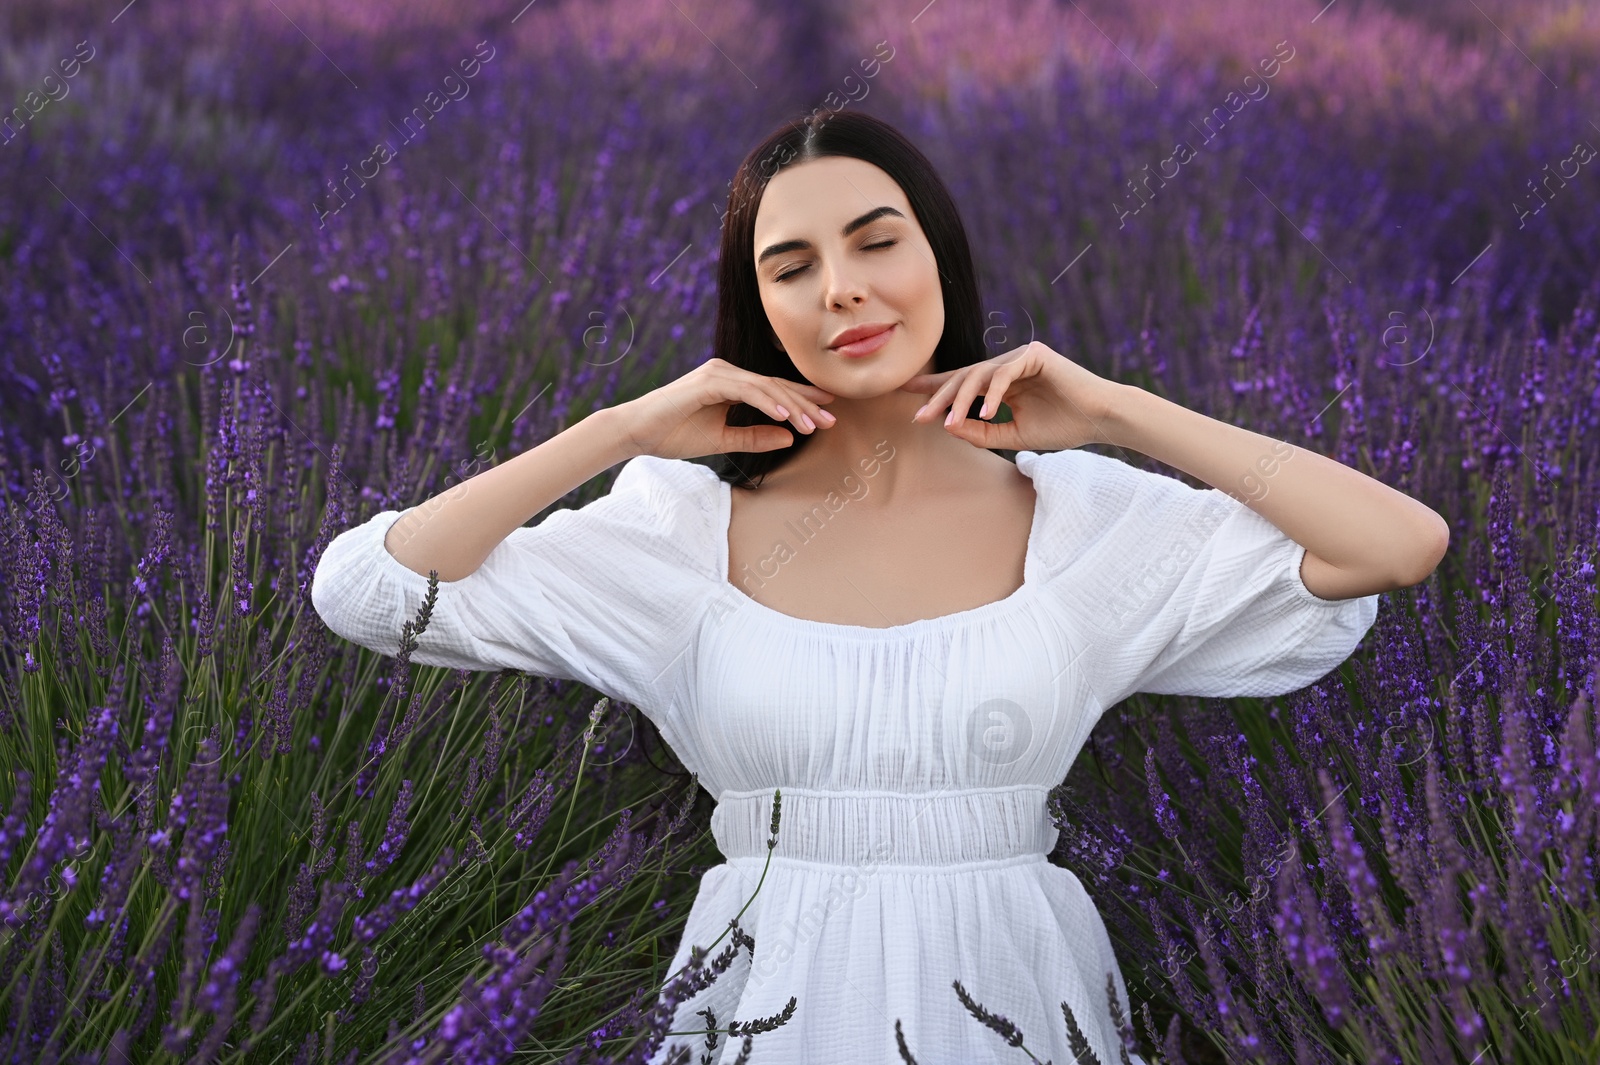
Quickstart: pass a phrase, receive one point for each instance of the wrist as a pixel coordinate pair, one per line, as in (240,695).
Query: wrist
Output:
(1119,413)
(609,426)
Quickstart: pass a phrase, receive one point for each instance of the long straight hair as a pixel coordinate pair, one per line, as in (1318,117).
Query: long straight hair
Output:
(743,332)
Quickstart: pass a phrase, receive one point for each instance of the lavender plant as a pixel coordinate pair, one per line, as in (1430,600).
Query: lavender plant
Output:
(226,835)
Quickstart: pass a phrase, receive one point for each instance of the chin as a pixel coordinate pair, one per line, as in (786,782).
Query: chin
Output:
(869,380)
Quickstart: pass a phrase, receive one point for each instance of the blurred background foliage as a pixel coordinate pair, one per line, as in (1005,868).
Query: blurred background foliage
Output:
(231,836)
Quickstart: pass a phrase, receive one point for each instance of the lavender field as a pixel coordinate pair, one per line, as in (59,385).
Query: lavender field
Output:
(270,267)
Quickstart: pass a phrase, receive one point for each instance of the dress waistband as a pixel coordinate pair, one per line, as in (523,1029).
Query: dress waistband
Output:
(856,829)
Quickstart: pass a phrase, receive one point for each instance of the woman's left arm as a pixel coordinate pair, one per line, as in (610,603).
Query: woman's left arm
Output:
(1360,535)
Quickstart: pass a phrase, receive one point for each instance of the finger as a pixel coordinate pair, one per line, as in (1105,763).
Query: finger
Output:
(805,388)
(997,389)
(820,417)
(796,408)
(972,385)
(941,396)
(988,435)
(755,438)
(806,415)
(821,395)
(800,399)
(764,394)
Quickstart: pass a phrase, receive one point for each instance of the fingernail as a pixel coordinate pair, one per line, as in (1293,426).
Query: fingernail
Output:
(826,416)
(782,413)
(919,412)
(951,417)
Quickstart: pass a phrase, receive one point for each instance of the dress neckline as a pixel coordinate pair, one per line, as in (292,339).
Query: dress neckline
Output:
(971,614)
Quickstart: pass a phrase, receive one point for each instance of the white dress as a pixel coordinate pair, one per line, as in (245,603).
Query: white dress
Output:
(914,760)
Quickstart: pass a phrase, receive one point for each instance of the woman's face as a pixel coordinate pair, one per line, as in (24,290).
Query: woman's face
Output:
(821,270)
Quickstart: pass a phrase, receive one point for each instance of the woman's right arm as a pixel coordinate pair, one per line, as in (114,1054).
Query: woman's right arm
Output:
(454,531)
(602,593)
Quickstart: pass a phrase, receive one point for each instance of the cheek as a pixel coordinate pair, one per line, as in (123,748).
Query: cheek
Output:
(787,321)
(773,304)
(926,301)
(920,287)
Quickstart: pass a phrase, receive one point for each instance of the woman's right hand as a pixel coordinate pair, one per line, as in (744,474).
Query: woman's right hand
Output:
(687,418)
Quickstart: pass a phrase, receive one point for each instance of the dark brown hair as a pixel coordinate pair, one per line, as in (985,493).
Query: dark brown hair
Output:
(743,333)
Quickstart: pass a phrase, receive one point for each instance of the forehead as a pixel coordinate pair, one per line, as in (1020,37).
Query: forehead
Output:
(816,198)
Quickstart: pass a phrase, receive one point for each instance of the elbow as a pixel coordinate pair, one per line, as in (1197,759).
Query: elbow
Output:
(1437,541)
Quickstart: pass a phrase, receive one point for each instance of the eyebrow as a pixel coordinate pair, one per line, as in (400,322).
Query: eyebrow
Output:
(849,228)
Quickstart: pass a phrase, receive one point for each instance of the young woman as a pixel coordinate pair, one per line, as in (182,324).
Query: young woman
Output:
(907,634)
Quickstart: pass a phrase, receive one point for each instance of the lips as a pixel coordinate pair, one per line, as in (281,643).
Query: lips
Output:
(863,340)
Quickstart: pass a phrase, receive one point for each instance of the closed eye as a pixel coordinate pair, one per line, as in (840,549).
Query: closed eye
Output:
(803,269)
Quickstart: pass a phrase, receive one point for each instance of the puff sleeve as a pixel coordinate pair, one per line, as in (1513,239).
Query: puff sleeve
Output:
(1185,591)
(602,594)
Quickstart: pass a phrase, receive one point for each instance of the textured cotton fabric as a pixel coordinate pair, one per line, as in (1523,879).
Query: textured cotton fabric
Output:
(914,760)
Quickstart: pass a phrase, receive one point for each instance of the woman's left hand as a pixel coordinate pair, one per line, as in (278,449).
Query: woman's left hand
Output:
(1055,403)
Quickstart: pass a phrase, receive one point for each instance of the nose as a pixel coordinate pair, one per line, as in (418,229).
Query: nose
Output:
(844,286)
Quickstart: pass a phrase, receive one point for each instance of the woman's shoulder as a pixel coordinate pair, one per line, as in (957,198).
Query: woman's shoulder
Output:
(1078,485)
(669,505)
(1095,503)
(1089,484)
(676,488)
(652,475)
